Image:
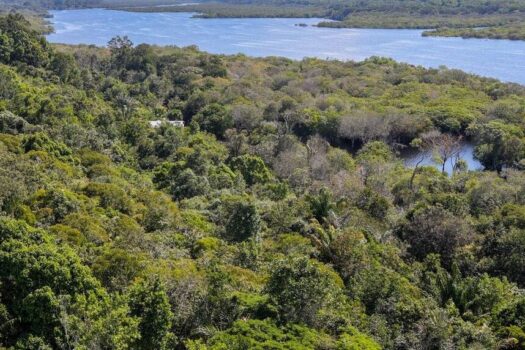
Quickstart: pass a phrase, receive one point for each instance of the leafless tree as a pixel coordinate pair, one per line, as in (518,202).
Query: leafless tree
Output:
(364,127)
(290,159)
(246,117)
(444,146)
(317,149)
(416,170)
(237,142)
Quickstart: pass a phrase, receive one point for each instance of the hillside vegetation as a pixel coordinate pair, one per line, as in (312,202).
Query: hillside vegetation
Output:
(279,217)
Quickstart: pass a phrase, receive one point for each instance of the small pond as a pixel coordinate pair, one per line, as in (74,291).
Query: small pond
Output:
(412,156)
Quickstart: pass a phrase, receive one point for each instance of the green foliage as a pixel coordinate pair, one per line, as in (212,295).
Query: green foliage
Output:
(321,205)
(12,124)
(500,144)
(54,205)
(110,196)
(63,65)
(37,280)
(304,293)
(148,300)
(352,339)
(263,334)
(375,151)
(243,222)
(116,268)
(215,119)
(254,226)
(257,334)
(20,44)
(252,169)
(41,142)
(509,31)
(508,254)
(373,203)
(435,230)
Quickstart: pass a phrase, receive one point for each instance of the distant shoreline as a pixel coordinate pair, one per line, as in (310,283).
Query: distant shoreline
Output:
(466,27)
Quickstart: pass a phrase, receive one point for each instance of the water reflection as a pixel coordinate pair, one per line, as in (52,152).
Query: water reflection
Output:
(412,156)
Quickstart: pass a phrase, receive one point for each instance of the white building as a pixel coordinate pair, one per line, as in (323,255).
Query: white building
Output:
(157,123)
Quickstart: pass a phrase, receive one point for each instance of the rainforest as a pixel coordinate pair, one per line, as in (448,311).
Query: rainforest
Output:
(168,198)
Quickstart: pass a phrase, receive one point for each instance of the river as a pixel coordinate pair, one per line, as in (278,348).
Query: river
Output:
(501,59)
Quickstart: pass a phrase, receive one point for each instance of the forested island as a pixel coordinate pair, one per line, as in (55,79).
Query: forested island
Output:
(278,217)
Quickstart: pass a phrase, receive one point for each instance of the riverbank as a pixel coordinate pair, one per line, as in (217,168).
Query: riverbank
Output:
(501,21)
(217,10)
(264,37)
(39,19)
(510,32)
(501,25)
(509,27)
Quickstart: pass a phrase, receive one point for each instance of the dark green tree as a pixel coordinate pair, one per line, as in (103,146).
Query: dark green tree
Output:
(20,43)
(436,230)
(215,119)
(321,205)
(121,49)
(243,222)
(301,291)
(499,144)
(149,302)
(252,169)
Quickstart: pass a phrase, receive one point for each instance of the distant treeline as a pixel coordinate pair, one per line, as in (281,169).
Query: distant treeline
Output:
(500,19)
(215,10)
(48,4)
(422,22)
(336,9)
(504,18)
(511,32)
(342,9)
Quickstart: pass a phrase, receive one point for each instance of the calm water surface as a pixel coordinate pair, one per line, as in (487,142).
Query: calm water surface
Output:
(411,158)
(502,59)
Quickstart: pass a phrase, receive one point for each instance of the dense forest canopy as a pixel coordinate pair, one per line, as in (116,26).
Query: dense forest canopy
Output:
(279,217)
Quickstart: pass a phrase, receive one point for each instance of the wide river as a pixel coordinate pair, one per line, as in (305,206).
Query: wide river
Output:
(501,59)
